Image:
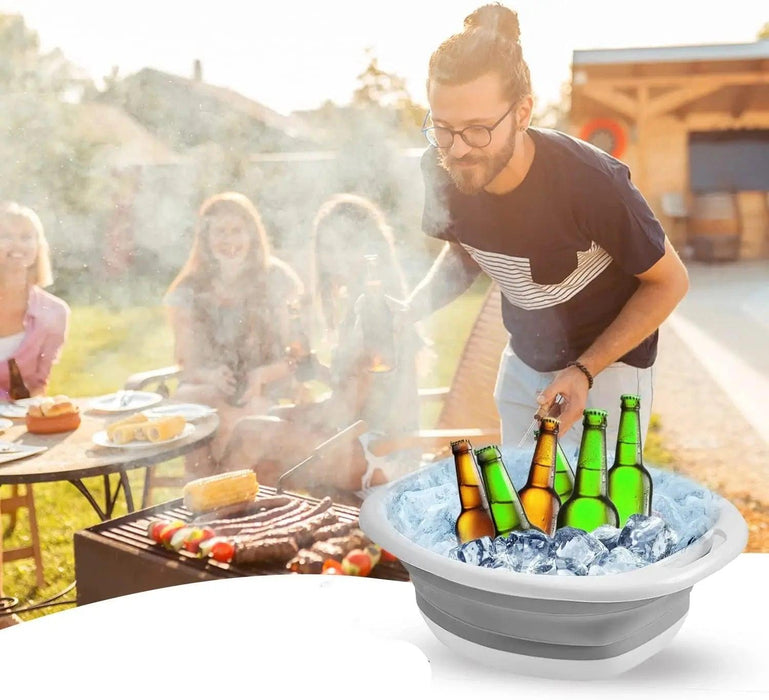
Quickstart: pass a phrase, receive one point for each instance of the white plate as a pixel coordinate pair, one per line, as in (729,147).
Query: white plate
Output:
(9,451)
(16,409)
(5,424)
(122,401)
(102,440)
(190,411)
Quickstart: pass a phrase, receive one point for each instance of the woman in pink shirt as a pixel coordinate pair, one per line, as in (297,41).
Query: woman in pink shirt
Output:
(33,323)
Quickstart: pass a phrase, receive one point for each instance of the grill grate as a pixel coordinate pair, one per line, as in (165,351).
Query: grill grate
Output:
(144,564)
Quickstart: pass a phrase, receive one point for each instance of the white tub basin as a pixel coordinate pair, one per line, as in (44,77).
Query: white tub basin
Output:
(556,626)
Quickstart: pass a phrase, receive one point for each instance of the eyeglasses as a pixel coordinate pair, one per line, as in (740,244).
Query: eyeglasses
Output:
(475,136)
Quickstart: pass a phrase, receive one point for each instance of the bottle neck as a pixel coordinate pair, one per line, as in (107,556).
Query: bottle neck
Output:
(590,478)
(466,471)
(542,471)
(629,449)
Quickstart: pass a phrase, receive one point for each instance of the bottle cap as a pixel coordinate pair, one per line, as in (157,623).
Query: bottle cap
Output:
(630,401)
(461,445)
(488,453)
(594,416)
(550,424)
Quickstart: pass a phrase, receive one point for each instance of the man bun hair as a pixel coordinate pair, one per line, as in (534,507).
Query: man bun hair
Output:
(496,18)
(488,43)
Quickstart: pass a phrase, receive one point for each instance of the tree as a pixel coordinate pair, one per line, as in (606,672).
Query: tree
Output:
(763,33)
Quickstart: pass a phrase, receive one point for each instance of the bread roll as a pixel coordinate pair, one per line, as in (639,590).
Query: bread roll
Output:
(58,409)
(164,429)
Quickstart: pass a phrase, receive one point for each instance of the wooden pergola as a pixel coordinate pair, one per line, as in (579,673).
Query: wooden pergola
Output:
(641,85)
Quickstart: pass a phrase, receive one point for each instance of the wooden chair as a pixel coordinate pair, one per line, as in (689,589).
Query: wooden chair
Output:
(10,506)
(468,409)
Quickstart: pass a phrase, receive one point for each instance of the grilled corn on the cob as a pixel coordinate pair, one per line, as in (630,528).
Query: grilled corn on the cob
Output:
(220,490)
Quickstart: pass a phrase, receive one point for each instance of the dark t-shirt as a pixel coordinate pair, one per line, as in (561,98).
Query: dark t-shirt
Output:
(563,246)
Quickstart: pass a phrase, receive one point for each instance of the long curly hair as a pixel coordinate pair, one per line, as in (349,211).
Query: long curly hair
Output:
(346,228)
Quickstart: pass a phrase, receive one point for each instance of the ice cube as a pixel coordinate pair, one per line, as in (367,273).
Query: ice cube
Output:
(576,549)
(474,551)
(530,551)
(648,537)
(607,535)
(616,561)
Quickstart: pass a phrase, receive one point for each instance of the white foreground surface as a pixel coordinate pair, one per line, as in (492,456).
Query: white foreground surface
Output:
(343,637)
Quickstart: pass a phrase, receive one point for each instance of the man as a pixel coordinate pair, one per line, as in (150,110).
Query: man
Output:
(586,271)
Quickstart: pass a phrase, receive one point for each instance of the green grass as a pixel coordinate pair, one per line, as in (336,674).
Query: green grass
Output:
(104,347)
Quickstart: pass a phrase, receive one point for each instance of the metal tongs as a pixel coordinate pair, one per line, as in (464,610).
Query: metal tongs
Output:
(552,411)
(349,433)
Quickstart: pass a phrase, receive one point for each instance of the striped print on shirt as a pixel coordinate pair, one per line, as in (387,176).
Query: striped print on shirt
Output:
(513,275)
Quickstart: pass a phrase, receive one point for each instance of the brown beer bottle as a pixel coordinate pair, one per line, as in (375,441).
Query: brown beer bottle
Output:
(538,496)
(377,321)
(17,389)
(474,520)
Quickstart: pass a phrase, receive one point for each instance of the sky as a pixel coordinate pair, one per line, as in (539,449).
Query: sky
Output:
(297,54)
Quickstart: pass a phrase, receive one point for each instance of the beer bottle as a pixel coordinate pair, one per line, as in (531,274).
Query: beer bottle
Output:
(377,321)
(505,505)
(473,521)
(564,475)
(538,497)
(298,349)
(17,389)
(589,506)
(630,484)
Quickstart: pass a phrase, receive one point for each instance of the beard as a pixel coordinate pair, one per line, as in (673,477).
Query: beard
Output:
(471,173)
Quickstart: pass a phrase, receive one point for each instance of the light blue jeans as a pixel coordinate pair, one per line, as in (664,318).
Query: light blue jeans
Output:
(518,386)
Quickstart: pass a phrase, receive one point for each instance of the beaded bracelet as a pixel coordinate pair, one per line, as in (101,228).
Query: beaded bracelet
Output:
(584,370)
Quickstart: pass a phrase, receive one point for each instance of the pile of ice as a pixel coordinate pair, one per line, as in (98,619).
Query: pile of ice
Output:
(424,507)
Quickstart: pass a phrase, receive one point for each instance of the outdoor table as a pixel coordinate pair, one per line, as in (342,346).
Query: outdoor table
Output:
(73,456)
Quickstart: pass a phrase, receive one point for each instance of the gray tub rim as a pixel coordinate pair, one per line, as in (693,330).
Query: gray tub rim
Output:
(711,552)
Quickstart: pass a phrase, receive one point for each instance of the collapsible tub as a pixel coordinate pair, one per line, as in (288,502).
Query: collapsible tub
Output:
(578,627)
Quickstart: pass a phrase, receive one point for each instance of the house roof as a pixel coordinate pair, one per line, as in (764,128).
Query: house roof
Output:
(290,126)
(673,54)
(124,140)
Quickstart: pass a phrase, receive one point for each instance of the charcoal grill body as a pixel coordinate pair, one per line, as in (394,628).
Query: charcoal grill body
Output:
(118,557)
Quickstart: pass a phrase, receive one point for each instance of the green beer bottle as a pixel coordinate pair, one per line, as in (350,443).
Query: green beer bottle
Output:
(630,484)
(589,506)
(505,506)
(538,497)
(473,521)
(564,475)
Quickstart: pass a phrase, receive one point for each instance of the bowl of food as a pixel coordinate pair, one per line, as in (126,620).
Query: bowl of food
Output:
(57,414)
(594,623)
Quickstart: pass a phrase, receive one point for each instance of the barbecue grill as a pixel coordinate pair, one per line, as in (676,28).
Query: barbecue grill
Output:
(118,557)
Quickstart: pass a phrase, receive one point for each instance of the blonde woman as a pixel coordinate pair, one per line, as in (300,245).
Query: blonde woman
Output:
(33,323)
(229,313)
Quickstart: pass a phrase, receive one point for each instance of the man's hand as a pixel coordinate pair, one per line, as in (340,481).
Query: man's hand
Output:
(572,385)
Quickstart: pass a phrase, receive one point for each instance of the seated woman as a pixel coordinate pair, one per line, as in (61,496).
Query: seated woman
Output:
(33,323)
(347,229)
(228,310)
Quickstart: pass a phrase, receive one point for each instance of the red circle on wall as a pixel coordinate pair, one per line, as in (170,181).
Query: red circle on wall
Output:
(605,134)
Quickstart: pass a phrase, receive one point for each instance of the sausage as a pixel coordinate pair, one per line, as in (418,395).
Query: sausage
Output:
(335,530)
(305,531)
(338,547)
(270,549)
(306,562)
(266,518)
(307,513)
(302,529)
(239,510)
